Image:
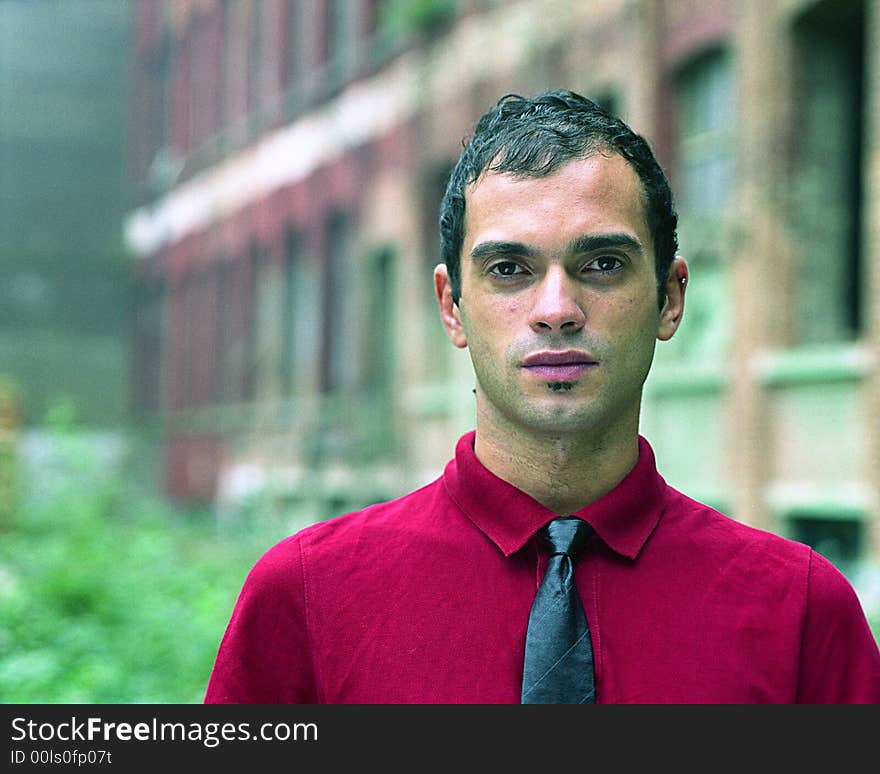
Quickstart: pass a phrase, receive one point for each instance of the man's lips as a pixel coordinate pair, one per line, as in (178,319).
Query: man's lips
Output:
(566,366)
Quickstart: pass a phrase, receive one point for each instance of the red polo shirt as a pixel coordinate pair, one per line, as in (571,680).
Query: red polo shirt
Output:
(426,600)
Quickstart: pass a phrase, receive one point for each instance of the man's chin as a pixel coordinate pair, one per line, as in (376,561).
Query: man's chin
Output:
(560,386)
(558,417)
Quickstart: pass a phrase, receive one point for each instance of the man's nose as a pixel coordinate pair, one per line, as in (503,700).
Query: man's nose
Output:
(557,306)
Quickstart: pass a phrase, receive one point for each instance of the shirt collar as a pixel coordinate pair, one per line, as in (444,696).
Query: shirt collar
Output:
(623,518)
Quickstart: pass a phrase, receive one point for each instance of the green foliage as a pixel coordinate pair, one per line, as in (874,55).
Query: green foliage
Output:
(107,596)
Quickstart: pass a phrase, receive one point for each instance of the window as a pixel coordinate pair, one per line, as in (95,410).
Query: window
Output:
(703,183)
(433,187)
(221,333)
(266,342)
(174,341)
(371,18)
(289,313)
(188,341)
(607,100)
(218,59)
(379,337)
(827,160)
(291,53)
(237,71)
(301,310)
(205,92)
(199,69)
(335,26)
(149,328)
(234,331)
(255,55)
(224,64)
(838,539)
(201,313)
(161,72)
(158,116)
(341,361)
(341,38)
(705,139)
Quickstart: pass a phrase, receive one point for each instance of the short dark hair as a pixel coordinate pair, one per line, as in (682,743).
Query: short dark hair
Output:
(533,137)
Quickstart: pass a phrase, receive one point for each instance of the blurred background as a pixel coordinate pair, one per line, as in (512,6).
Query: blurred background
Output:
(218,224)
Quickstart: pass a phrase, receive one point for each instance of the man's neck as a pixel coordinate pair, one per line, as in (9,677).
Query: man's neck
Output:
(563,473)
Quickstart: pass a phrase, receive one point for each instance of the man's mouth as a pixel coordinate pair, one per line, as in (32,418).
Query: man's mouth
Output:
(566,366)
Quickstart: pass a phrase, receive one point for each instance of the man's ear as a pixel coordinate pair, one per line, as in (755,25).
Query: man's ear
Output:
(673,307)
(450,314)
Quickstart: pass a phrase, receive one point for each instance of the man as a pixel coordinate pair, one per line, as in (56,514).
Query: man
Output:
(560,273)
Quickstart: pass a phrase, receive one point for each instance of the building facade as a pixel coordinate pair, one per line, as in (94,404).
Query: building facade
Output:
(291,156)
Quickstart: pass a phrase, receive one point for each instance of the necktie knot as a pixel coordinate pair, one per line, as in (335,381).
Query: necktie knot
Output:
(565,535)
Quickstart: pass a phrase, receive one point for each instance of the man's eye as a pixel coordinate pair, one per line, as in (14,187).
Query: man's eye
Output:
(604,263)
(506,269)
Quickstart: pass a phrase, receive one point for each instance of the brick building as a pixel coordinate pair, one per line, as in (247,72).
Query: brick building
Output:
(291,156)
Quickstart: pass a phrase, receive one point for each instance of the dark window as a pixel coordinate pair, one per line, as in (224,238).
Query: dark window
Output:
(341,355)
(199,69)
(379,341)
(827,178)
(840,540)
(222,333)
(289,313)
(291,45)
(433,188)
(188,335)
(266,329)
(324,31)
(158,118)
(341,37)
(201,315)
(371,17)
(149,324)
(231,63)
(234,332)
(205,81)
(301,313)
(255,55)
(608,101)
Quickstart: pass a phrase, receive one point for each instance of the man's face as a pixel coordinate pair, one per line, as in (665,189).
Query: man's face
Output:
(559,298)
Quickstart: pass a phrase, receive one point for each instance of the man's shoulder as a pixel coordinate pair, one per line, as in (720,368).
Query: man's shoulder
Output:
(346,535)
(763,561)
(717,530)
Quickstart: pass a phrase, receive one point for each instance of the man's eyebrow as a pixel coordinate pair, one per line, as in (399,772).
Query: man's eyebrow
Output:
(492,248)
(589,243)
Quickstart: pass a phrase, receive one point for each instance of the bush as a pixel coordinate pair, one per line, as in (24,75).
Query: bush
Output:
(111,597)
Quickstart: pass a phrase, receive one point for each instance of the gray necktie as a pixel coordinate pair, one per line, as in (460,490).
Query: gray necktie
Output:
(558,667)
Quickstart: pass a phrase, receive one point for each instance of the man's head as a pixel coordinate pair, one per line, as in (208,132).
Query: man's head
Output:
(552,276)
(532,138)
